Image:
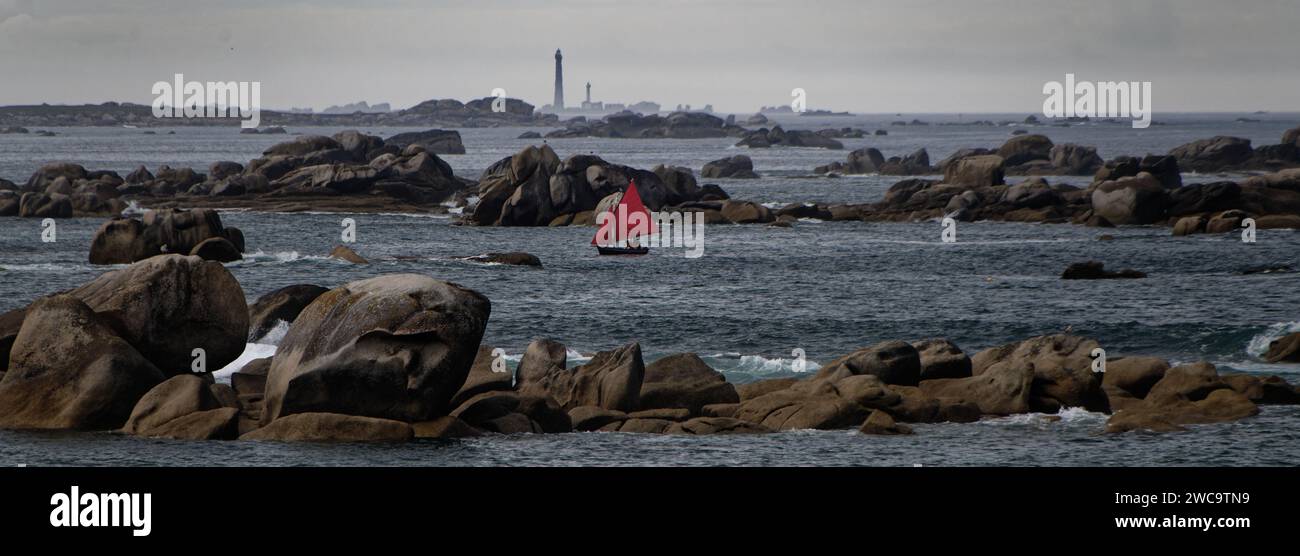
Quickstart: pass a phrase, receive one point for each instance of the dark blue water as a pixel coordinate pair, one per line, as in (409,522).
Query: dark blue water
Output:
(756,294)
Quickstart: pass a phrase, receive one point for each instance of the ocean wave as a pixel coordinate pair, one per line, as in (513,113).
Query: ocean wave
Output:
(1259,344)
(758,365)
(279,256)
(572,356)
(275,334)
(1069,415)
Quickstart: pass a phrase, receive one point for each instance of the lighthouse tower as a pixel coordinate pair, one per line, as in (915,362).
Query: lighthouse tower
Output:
(559,81)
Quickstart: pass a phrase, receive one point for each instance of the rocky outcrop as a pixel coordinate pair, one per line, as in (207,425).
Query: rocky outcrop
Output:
(940,358)
(678,125)
(1213,155)
(735,167)
(974,171)
(126,240)
(611,380)
(533,188)
(436,141)
(684,381)
(396,346)
(880,422)
(345,253)
(778,137)
(1187,394)
(1061,366)
(513,259)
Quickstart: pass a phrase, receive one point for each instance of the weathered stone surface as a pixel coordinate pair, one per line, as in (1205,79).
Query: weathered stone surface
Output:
(684,381)
(168,306)
(397,346)
(611,380)
(716,425)
(444,427)
(894,362)
(282,305)
(69,370)
(941,358)
(880,422)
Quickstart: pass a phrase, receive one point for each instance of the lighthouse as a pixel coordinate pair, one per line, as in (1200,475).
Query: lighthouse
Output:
(559,81)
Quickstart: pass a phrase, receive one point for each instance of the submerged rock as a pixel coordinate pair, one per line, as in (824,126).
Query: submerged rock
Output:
(1093,270)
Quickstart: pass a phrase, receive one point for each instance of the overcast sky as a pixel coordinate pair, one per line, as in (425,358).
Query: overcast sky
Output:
(879,56)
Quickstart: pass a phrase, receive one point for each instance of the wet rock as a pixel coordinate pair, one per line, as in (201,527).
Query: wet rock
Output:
(218,171)
(301,146)
(68,369)
(484,376)
(1076,160)
(716,425)
(1284,350)
(879,422)
(513,259)
(1062,369)
(345,253)
(397,346)
(1094,270)
(445,427)
(1188,394)
(332,427)
(282,305)
(686,382)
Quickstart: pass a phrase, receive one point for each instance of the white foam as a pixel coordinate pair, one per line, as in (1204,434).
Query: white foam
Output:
(251,351)
(758,365)
(1067,415)
(1259,344)
(275,334)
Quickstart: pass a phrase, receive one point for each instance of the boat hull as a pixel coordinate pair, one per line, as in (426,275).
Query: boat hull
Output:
(622,250)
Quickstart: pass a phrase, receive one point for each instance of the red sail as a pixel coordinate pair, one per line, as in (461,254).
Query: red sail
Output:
(628,204)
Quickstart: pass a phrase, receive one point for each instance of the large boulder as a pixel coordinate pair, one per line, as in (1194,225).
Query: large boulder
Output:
(1076,160)
(397,346)
(866,160)
(170,305)
(684,381)
(437,141)
(68,369)
(1025,148)
(611,380)
(746,212)
(282,305)
(738,166)
(1061,365)
(1214,154)
(893,362)
(1131,200)
(975,171)
(186,407)
(819,403)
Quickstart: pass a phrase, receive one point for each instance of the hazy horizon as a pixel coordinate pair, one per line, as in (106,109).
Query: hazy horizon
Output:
(867,57)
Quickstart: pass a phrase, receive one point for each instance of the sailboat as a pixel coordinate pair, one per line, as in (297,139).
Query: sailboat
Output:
(619,236)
